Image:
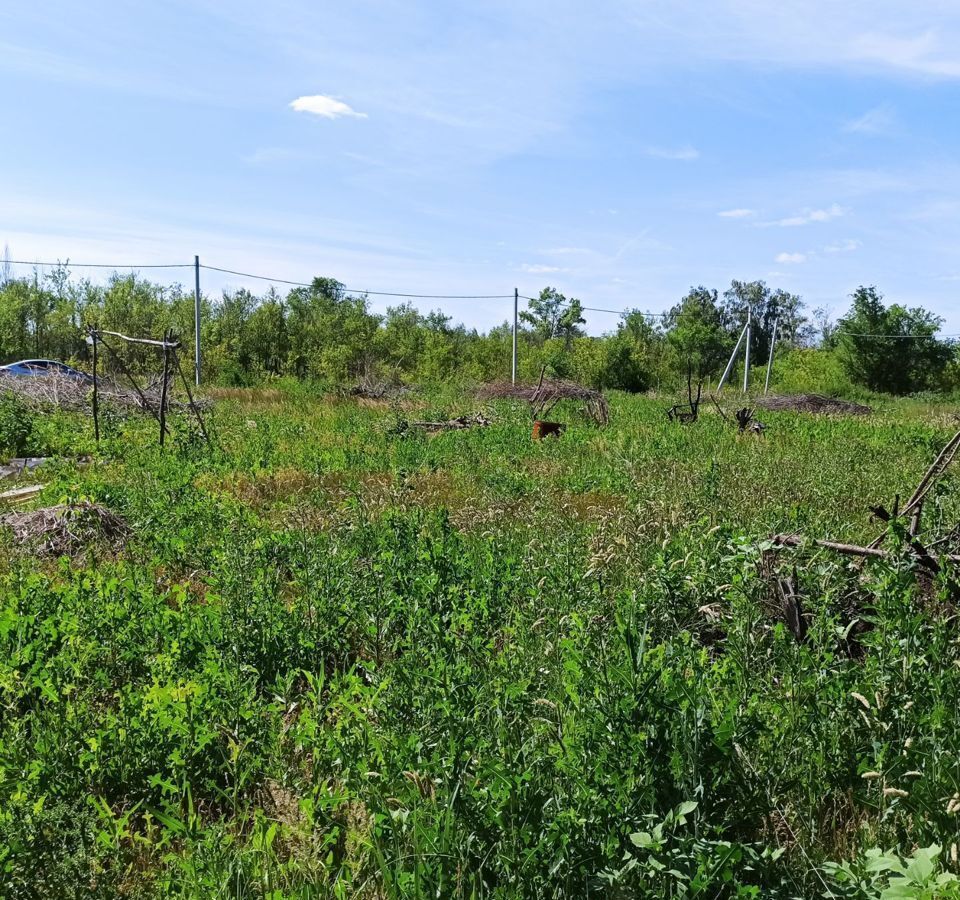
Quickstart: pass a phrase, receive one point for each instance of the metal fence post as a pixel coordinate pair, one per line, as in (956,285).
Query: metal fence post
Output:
(516,302)
(746,354)
(196,319)
(773,343)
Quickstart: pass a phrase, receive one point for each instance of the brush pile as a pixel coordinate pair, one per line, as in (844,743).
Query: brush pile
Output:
(67,529)
(813,403)
(543,397)
(57,391)
(370,388)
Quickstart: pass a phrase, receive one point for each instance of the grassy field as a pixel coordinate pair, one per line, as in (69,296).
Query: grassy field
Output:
(337,658)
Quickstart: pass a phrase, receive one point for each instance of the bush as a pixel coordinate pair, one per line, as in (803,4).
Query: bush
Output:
(16,426)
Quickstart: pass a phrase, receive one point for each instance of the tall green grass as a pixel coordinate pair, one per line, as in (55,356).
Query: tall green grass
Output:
(336,660)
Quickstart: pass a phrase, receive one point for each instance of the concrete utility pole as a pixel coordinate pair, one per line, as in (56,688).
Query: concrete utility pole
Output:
(196,320)
(746,354)
(516,303)
(773,343)
(733,356)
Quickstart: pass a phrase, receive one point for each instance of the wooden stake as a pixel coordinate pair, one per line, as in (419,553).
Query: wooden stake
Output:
(163,387)
(193,405)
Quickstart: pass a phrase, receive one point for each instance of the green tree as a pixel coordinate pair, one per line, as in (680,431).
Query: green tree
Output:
(891,348)
(697,337)
(331,334)
(631,355)
(767,308)
(551,316)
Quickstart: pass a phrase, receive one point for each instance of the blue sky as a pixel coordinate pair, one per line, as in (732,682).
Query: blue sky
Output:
(620,151)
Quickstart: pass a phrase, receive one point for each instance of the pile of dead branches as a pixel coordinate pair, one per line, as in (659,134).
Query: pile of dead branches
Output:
(543,397)
(477,420)
(813,403)
(68,528)
(370,388)
(45,392)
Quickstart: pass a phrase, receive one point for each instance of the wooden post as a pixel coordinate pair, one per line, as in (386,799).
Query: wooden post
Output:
(96,404)
(163,385)
(193,405)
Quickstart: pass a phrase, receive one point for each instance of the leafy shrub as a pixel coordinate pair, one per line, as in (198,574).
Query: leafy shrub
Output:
(16,425)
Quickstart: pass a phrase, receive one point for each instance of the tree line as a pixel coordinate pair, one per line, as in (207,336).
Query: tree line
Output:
(321,332)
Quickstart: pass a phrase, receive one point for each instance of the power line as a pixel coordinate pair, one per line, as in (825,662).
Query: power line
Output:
(897,337)
(68,264)
(412,296)
(23,262)
(370,293)
(615,312)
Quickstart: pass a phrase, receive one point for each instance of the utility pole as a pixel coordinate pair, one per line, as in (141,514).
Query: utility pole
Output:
(773,343)
(733,356)
(746,354)
(196,320)
(516,303)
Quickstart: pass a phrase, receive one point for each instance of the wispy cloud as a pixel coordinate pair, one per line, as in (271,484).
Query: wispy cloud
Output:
(685,153)
(879,120)
(326,107)
(924,54)
(809,216)
(737,213)
(845,246)
(568,251)
(538,269)
(791,259)
(266,155)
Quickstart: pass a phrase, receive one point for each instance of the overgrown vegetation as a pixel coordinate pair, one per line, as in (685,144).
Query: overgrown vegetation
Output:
(321,333)
(337,659)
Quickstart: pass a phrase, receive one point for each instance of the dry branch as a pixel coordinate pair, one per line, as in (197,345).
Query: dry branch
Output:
(477,420)
(543,397)
(812,403)
(66,529)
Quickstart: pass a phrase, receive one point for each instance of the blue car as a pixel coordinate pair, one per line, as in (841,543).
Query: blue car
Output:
(33,368)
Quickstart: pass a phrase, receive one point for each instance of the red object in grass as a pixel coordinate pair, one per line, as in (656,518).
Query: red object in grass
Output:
(545,429)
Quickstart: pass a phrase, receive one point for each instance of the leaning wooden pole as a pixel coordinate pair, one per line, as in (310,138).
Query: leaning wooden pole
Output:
(163,386)
(145,404)
(193,405)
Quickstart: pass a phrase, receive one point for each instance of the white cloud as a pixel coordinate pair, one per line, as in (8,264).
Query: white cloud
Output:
(923,54)
(327,107)
(737,213)
(538,269)
(791,259)
(808,216)
(879,120)
(568,251)
(685,153)
(266,155)
(845,246)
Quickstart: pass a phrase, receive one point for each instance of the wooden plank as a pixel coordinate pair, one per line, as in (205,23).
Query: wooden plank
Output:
(21,494)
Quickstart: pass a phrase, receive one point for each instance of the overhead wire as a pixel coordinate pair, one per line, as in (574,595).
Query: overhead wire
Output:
(68,264)
(414,296)
(370,293)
